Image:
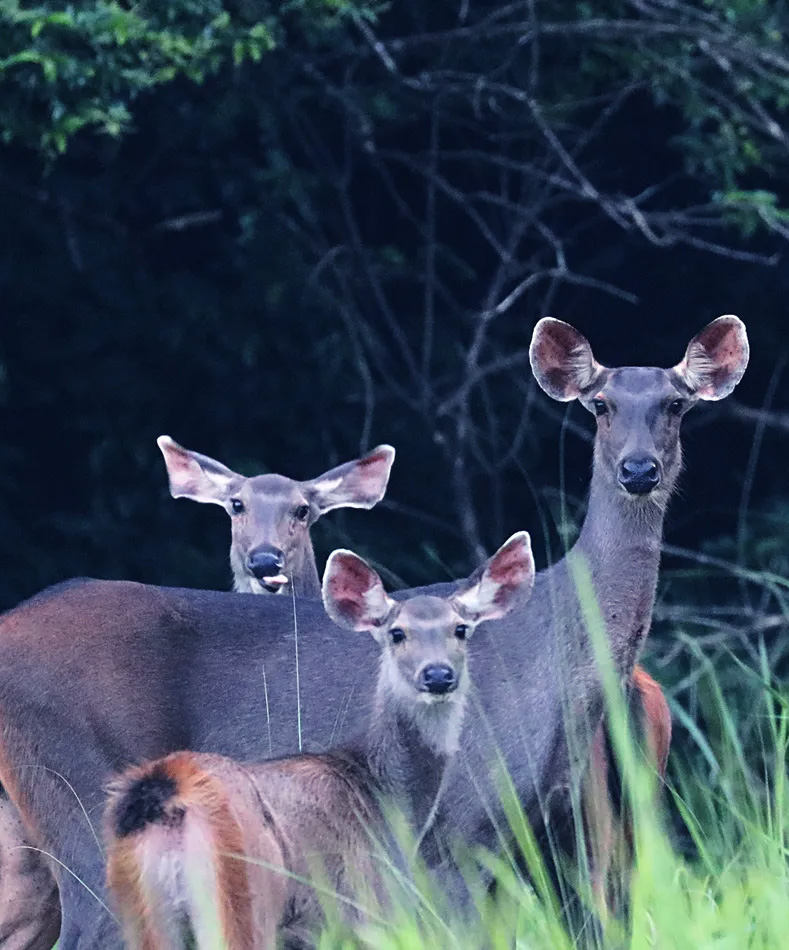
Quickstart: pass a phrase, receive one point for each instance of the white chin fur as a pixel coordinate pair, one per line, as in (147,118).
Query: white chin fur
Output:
(437,699)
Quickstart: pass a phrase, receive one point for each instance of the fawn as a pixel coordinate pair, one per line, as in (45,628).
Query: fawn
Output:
(205,851)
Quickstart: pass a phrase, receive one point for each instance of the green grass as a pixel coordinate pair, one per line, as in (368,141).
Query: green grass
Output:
(716,878)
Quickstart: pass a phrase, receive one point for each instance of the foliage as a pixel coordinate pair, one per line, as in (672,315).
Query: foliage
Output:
(65,67)
(354,233)
(378,200)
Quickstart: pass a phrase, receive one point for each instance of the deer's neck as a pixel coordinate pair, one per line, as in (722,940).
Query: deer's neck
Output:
(305,580)
(408,748)
(619,546)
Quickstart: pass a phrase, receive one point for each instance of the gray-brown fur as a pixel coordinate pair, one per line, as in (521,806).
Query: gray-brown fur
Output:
(135,672)
(308,813)
(271,516)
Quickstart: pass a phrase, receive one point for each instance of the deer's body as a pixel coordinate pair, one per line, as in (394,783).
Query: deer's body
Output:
(200,840)
(221,650)
(288,819)
(143,671)
(266,829)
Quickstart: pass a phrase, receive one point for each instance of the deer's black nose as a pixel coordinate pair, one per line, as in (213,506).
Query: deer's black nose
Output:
(439,678)
(639,476)
(265,562)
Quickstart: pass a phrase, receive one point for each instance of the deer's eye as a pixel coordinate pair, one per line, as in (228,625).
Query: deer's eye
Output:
(461,631)
(600,407)
(236,505)
(397,634)
(302,511)
(676,406)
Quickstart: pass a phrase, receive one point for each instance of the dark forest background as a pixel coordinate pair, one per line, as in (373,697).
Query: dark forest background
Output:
(284,232)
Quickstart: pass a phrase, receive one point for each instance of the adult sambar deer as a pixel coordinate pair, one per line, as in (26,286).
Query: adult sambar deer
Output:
(98,675)
(207,852)
(271,515)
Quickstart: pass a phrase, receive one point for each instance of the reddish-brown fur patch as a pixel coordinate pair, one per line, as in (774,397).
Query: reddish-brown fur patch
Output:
(608,829)
(656,718)
(199,795)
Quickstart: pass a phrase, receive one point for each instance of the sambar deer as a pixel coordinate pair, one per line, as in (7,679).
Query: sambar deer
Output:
(271,515)
(98,675)
(207,852)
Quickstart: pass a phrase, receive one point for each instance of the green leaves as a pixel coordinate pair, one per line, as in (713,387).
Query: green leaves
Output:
(75,66)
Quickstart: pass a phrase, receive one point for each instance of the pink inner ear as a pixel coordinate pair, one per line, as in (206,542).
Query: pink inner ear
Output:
(719,335)
(509,569)
(724,346)
(184,465)
(555,346)
(349,608)
(370,470)
(562,360)
(181,469)
(347,585)
(375,459)
(723,349)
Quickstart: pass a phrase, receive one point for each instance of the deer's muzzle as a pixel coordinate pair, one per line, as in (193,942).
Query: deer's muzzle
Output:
(438,678)
(639,476)
(265,564)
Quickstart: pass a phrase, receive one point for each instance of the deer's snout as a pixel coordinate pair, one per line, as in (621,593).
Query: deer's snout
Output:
(439,678)
(266,561)
(639,475)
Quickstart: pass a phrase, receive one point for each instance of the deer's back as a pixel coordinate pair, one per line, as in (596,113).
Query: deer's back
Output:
(99,675)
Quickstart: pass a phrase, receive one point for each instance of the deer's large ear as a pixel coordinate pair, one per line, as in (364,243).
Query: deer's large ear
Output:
(562,360)
(353,594)
(195,476)
(504,581)
(715,359)
(358,484)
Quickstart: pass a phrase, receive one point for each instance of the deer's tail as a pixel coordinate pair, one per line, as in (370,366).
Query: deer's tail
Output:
(655,718)
(609,823)
(173,865)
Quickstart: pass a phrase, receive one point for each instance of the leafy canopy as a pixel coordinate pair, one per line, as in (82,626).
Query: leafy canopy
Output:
(68,67)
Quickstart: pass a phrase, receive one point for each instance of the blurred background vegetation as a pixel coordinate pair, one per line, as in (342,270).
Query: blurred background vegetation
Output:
(284,232)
